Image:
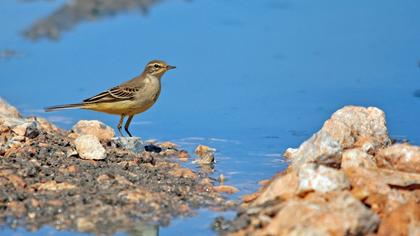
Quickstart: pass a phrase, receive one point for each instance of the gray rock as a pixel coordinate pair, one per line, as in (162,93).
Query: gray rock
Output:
(133,144)
(32,130)
(29,129)
(321,148)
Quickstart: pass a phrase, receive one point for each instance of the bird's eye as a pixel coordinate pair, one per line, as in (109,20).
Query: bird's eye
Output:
(156,65)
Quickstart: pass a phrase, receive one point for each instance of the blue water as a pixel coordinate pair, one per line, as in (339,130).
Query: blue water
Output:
(252,77)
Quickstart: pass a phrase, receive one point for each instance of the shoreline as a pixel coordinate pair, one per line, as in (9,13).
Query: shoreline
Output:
(87,180)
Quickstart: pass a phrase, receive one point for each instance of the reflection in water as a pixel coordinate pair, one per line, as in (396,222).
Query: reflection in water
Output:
(77,11)
(7,54)
(207,168)
(144,230)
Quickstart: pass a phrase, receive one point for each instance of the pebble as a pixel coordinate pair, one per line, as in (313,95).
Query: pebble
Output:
(205,153)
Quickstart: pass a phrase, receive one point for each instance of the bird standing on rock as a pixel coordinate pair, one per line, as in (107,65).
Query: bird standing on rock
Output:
(128,99)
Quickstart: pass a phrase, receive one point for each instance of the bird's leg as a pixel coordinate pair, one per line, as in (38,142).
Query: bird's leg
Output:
(127,124)
(120,125)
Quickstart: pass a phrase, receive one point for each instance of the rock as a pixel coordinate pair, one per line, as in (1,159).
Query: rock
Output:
(264,182)
(134,195)
(284,186)
(397,178)
(183,172)
(71,153)
(322,179)
(184,209)
(348,127)
(405,220)
(152,148)
(310,177)
(383,190)
(169,152)
(44,124)
(221,179)
(357,158)
(168,145)
(122,180)
(28,129)
(7,123)
(321,148)
(133,144)
(358,126)
(17,208)
(205,153)
(8,110)
(403,157)
(15,180)
(84,224)
(95,128)
(249,197)
(89,148)
(335,214)
(54,186)
(183,155)
(20,130)
(225,189)
(379,177)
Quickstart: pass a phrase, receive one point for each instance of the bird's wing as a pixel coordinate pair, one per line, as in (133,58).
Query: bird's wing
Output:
(118,93)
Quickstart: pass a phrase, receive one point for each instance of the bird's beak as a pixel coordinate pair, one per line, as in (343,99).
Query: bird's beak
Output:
(170,67)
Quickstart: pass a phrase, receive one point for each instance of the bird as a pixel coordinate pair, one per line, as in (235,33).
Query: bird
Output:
(127,99)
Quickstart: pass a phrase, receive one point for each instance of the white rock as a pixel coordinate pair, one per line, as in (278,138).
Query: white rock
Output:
(320,178)
(347,128)
(89,147)
(95,128)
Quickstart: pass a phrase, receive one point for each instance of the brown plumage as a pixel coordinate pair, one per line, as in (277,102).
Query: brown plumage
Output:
(128,99)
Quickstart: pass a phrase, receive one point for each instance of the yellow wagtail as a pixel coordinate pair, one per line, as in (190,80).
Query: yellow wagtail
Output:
(127,99)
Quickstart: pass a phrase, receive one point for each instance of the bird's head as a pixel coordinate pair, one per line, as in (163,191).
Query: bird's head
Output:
(157,68)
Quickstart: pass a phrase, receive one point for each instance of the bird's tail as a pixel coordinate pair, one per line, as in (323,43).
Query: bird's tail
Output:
(65,106)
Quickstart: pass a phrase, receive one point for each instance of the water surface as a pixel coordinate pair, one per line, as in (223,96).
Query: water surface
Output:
(252,77)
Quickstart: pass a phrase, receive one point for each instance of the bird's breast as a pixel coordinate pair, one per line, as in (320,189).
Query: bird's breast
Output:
(147,96)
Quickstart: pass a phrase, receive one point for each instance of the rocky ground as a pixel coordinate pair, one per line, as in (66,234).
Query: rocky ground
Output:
(87,180)
(349,178)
